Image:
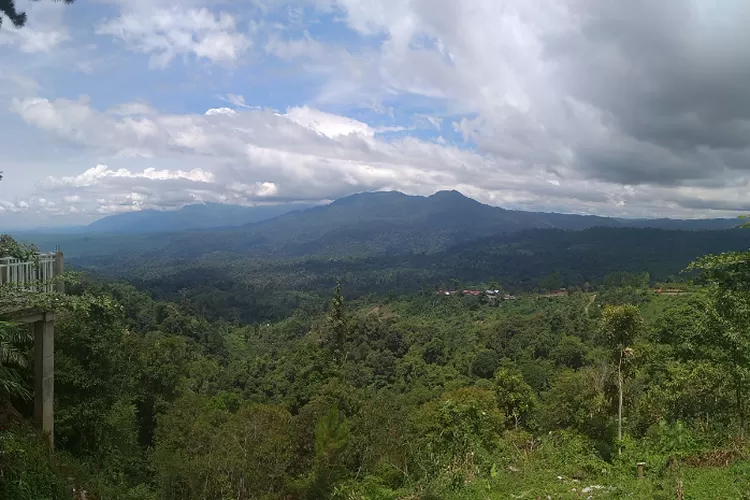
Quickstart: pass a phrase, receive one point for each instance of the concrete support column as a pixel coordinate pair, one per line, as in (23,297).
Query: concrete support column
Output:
(44,375)
(59,269)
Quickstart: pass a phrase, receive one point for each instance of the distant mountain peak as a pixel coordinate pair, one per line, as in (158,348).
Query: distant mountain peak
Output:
(455,198)
(370,195)
(450,194)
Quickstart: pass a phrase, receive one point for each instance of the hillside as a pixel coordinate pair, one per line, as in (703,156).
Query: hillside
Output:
(236,286)
(461,397)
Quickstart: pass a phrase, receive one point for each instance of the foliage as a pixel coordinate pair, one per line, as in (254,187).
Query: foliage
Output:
(577,400)
(485,363)
(14,344)
(728,277)
(203,449)
(18,19)
(332,438)
(26,471)
(400,396)
(14,298)
(620,326)
(457,434)
(268,273)
(11,248)
(515,398)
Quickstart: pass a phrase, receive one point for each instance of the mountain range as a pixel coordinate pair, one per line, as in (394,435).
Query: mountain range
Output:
(358,225)
(444,209)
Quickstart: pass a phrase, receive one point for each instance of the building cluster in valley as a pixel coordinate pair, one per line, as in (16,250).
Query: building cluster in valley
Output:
(493,294)
(671,291)
(498,295)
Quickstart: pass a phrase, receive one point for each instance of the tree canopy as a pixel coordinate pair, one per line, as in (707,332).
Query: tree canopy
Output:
(409,394)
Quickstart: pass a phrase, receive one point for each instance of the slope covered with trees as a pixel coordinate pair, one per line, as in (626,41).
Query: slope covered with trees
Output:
(409,396)
(258,289)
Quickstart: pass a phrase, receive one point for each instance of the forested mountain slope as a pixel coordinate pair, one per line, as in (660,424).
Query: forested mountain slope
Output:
(418,397)
(367,224)
(252,288)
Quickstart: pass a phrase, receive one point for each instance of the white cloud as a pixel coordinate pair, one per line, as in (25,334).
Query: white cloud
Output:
(328,124)
(33,41)
(305,154)
(102,172)
(576,105)
(237,100)
(221,111)
(178,31)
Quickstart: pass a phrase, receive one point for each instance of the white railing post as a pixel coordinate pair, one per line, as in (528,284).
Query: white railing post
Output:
(33,275)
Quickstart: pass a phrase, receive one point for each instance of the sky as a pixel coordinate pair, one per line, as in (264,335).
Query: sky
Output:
(637,109)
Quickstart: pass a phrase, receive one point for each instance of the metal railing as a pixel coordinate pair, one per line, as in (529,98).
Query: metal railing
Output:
(32,275)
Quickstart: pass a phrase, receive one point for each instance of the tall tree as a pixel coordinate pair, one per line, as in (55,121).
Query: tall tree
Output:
(728,277)
(336,328)
(620,325)
(8,7)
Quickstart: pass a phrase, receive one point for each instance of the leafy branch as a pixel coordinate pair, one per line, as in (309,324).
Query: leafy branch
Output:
(11,248)
(13,342)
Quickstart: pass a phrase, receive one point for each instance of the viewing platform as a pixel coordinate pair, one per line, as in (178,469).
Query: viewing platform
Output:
(36,275)
(32,275)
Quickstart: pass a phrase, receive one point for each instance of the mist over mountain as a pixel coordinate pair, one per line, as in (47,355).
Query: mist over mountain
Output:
(189,217)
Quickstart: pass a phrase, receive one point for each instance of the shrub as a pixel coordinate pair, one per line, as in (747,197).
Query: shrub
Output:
(27,470)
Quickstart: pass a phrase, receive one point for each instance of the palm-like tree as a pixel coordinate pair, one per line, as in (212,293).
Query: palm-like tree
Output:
(13,359)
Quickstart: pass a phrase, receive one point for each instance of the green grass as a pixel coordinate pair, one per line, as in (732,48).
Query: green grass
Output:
(710,483)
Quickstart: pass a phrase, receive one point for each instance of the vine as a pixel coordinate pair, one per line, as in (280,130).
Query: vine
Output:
(11,248)
(15,298)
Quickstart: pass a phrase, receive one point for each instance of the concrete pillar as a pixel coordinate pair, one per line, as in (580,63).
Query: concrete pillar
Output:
(59,269)
(44,376)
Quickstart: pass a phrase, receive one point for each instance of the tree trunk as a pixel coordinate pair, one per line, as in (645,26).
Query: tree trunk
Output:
(619,407)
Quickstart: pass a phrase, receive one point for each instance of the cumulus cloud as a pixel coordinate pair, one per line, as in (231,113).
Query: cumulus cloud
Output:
(101,172)
(595,106)
(166,33)
(328,124)
(302,154)
(32,40)
(220,111)
(644,93)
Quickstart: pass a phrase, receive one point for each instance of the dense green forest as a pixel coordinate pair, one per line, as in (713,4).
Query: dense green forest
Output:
(379,244)
(395,392)
(251,289)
